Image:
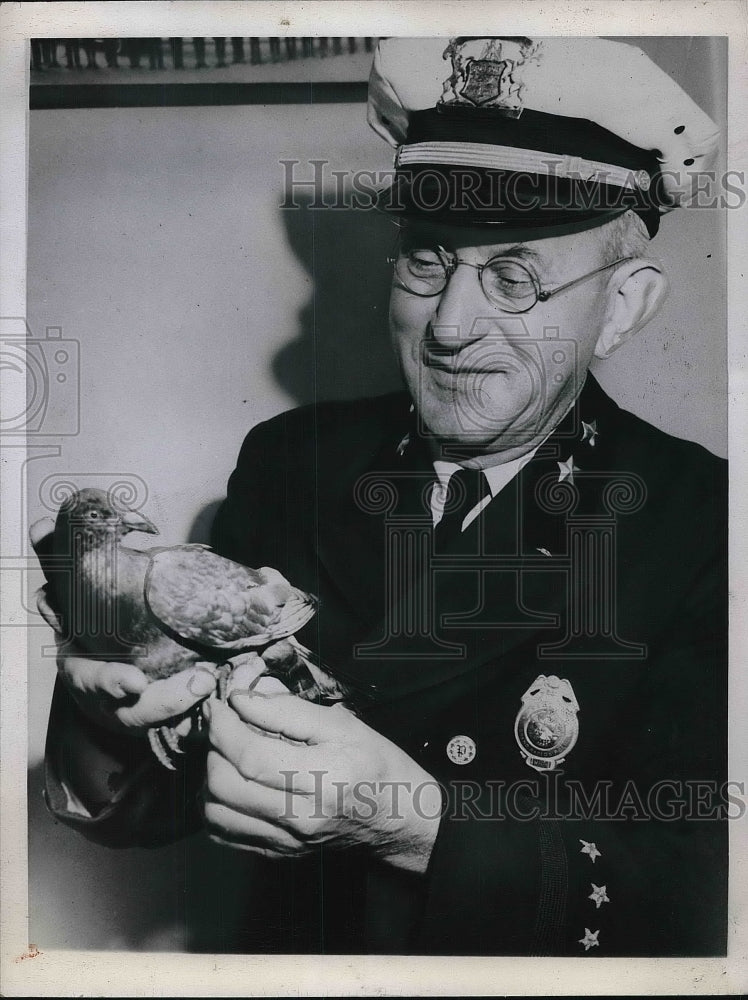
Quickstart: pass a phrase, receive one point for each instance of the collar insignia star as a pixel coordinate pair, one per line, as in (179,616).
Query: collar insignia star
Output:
(599,895)
(589,432)
(591,849)
(567,469)
(590,939)
(403,445)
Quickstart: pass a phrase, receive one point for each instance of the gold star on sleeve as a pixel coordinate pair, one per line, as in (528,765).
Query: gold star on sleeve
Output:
(590,939)
(599,895)
(567,469)
(589,848)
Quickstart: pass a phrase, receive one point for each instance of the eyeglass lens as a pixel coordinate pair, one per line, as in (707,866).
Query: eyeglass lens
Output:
(505,282)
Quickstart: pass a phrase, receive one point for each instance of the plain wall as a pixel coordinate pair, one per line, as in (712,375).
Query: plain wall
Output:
(157,242)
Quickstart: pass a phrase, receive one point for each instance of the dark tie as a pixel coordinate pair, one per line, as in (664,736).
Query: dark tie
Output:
(466,488)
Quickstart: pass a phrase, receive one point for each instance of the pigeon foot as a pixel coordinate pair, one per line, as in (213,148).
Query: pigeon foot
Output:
(159,750)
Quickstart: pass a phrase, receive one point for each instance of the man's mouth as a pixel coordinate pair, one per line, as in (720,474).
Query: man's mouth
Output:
(455,366)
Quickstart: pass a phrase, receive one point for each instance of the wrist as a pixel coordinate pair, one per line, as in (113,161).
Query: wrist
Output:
(412,848)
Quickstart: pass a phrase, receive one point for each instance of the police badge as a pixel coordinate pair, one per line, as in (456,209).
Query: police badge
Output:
(486,73)
(546,727)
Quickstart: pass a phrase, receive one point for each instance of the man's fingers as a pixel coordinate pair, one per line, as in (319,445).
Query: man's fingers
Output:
(256,757)
(247,676)
(276,805)
(245,670)
(251,848)
(121,680)
(161,700)
(248,832)
(289,716)
(103,677)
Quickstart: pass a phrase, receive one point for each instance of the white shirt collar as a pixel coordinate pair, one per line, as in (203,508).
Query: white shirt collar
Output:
(497,476)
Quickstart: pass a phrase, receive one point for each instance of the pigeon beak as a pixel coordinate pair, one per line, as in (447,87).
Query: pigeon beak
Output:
(133,521)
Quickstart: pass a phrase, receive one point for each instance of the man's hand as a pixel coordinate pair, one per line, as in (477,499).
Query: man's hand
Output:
(118,696)
(285,776)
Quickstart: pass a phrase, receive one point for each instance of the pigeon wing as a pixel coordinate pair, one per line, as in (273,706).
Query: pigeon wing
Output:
(218,603)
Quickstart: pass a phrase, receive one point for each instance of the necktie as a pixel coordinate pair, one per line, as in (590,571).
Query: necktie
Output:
(466,488)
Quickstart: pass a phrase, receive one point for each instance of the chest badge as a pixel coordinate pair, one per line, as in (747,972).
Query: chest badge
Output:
(546,727)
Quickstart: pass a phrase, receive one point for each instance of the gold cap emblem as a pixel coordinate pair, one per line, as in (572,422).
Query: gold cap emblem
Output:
(487,73)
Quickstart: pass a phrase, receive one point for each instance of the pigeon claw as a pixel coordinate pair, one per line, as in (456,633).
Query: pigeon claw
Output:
(170,737)
(160,751)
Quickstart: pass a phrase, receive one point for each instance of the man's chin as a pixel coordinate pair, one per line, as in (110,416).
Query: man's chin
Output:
(458,442)
(481,436)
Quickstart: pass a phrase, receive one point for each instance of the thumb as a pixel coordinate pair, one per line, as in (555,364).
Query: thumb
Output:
(286,715)
(164,699)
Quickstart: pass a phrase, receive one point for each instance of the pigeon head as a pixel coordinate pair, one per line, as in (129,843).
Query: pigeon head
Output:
(96,515)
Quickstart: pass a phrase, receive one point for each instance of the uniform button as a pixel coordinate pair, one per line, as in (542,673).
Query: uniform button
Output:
(461,749)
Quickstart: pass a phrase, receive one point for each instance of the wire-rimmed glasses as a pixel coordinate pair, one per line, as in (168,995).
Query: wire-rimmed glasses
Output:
(507,282)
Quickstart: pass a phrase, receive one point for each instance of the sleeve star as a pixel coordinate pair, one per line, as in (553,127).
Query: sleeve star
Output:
(599,895)
(567,469)
(591,849)
(590,939)
(589,432)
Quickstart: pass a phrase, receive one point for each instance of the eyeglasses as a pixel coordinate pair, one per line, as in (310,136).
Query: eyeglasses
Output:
(507,282)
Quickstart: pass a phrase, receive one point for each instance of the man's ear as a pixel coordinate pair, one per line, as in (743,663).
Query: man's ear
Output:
(636,291)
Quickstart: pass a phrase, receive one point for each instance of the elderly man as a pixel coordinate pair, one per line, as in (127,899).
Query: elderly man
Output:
(522,585)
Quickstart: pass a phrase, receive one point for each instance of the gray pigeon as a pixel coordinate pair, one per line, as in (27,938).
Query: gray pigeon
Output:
(165,609)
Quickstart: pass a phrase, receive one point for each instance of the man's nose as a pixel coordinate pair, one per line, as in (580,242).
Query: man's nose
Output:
(462,314)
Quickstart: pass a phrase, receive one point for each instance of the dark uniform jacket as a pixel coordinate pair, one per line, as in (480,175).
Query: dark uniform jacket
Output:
(560,670)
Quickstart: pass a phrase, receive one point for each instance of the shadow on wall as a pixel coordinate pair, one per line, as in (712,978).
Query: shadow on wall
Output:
(343,349)
(201,526)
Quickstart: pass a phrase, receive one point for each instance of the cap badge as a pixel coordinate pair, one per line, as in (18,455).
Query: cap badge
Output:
(546,727)
(487,73)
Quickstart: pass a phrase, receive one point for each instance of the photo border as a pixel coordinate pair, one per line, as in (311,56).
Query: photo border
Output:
(71,973)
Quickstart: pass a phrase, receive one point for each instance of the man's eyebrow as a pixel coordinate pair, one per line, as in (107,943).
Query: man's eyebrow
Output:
(522,250)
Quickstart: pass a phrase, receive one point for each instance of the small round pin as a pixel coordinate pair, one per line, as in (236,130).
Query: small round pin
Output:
(461,749)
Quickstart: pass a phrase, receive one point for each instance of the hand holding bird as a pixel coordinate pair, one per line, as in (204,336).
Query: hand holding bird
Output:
(160,628)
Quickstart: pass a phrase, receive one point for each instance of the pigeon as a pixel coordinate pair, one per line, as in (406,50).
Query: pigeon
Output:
(164,609)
